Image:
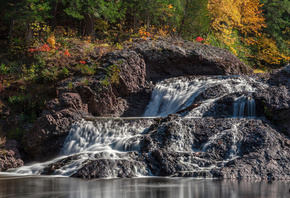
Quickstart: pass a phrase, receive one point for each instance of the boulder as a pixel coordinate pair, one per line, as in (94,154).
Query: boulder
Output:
(167,57)
(9,156)
(44,140)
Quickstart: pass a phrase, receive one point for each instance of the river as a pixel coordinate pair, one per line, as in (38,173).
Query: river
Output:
(155,187)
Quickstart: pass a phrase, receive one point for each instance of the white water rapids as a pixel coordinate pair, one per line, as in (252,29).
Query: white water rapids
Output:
(111,139)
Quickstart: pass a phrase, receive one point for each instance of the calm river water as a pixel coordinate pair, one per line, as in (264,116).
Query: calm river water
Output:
(58,187)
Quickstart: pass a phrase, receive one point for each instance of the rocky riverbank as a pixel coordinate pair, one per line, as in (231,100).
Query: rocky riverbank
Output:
(263,149)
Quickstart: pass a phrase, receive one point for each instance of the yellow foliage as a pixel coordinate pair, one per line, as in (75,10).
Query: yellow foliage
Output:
(259,71)
(143,33)
(61,31)
(252,20)
(51,41)
(269,52)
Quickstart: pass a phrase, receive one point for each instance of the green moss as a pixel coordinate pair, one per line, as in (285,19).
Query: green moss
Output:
(268,113)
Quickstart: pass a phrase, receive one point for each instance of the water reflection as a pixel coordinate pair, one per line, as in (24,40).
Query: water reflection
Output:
(53,187)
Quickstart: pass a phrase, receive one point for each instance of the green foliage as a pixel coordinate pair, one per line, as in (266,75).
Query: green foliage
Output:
(194,19)
(49,74)
(86,69)
(4,69)
(277,14)
(29,106)
(70,85)
(85,82)
(112,76)
(19,99)
(268,113)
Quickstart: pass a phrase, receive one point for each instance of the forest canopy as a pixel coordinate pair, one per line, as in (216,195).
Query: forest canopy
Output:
(257,31)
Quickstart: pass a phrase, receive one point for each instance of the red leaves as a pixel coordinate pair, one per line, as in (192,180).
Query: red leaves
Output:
(44,48)
(66,53)
(199,39)
(83,62)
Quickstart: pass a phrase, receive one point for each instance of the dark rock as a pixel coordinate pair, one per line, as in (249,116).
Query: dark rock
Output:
(274,103)
(280,77)
(171,57)
(46,137)
(223,148)
(9,156)
(109,168)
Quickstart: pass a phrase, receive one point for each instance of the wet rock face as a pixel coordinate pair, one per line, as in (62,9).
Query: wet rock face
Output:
(225,148)
(9,156)
(229,148)
(275,105)
(109,168)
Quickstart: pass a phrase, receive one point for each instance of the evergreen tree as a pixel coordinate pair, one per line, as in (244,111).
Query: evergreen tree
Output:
(89,10)
(277,14)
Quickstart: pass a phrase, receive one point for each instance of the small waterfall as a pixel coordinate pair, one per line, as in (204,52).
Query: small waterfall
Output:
(233,133)
(102,135)
(241,103)
(251,108)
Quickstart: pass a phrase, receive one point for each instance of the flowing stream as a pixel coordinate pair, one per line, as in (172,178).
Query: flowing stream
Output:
(114,139)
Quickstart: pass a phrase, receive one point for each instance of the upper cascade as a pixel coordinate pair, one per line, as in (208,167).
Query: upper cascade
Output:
(172,95)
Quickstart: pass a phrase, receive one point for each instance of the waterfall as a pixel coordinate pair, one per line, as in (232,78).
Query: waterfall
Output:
(170,96)
(251,108)
(117,139)
(241,103)
(87,140)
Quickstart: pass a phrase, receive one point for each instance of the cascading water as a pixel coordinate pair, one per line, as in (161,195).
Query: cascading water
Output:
(171,96)
(115,140)
(90,140)
(240,107)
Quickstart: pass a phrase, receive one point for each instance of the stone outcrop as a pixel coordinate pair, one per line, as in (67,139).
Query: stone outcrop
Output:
(9,156)
(274,101)
(46,137)
(167,57)
(225,148)
(275,104)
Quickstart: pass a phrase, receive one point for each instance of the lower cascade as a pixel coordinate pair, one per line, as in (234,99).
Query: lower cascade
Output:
(196,127)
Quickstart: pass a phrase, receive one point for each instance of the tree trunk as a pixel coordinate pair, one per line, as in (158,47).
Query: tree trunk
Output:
(183,18)
(54,22)
(134,17)
(148,15)
(11,31)
(29,32)
(90,25)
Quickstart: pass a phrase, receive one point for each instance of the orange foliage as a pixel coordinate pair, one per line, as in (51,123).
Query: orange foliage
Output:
(51,41)
(268,51)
